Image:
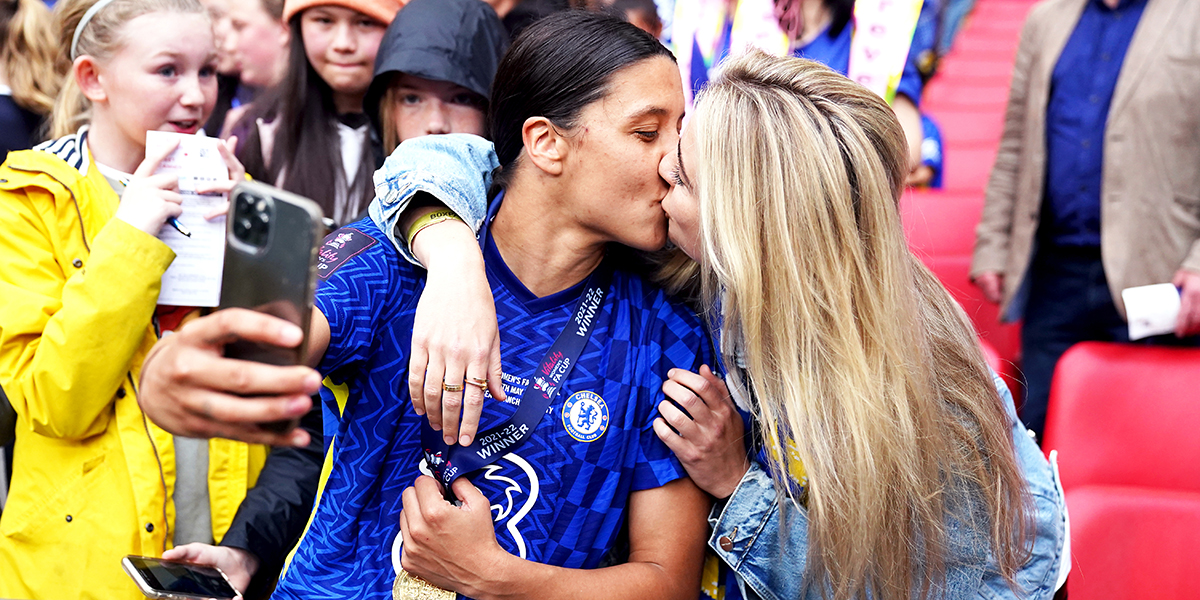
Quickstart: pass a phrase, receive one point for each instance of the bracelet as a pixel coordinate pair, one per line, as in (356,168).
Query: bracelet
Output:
(432,218)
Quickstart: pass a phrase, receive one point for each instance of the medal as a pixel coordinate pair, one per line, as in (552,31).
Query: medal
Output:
(408,587)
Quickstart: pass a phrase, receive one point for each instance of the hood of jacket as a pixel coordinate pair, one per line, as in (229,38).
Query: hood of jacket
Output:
(460,41)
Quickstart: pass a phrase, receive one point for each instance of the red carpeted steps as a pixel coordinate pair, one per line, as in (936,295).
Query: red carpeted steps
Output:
(967,98)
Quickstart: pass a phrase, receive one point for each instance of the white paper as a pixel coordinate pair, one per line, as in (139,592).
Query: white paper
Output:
(1151,309)
(194,279)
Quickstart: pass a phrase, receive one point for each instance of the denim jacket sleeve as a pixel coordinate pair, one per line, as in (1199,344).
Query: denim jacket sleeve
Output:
(455,168)
(764,538)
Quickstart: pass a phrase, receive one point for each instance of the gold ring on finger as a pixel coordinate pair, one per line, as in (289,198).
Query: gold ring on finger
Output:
(449,387)
(477,382)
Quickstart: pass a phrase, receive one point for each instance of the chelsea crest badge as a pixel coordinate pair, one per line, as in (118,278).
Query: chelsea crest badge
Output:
(585,416)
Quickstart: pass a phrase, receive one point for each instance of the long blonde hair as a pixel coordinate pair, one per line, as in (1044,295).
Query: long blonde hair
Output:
(101,38)
(27,48)
(861,364)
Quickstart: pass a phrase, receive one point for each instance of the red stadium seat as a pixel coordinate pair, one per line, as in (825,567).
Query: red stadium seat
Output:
(940,228)
(1134,544)
(1127,415)
(1005,368)
(940,223)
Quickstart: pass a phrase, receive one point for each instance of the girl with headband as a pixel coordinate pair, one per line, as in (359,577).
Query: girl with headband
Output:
(80,271)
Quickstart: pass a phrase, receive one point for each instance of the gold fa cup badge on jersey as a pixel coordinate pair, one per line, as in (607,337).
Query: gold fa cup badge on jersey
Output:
(408,587)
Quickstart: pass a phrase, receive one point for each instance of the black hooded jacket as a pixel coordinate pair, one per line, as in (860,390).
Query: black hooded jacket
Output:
(460,41)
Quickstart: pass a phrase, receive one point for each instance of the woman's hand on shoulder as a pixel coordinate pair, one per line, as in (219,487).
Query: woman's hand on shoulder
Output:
(710,443)
(456,340)
(149,199)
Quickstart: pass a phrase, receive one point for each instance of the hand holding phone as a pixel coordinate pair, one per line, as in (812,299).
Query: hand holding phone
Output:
(272,238)
(176,580)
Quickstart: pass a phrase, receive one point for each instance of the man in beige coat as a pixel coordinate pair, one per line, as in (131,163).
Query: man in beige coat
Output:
(1096,187)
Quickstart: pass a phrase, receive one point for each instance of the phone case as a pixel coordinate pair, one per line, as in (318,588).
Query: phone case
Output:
(150,592)
(276,275)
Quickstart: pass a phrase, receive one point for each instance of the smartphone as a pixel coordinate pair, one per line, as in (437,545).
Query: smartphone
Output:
(158,578)
(271,243)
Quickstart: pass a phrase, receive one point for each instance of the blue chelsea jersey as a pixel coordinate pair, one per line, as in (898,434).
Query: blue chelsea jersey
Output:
(559,498)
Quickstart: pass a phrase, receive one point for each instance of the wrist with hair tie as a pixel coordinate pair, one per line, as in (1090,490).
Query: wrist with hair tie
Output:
(433,218)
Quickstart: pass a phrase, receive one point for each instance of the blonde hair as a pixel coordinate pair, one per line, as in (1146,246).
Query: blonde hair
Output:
(861,363)
(101,38)
(27,47)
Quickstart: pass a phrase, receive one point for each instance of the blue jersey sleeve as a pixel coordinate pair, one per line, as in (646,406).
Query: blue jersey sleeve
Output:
(361,282)
(924,37)
(684,344)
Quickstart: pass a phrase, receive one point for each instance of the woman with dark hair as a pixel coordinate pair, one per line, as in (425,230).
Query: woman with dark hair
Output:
(310,135)
(584,108)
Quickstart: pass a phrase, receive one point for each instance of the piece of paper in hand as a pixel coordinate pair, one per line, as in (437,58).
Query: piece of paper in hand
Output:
(194,279)
(1151,309)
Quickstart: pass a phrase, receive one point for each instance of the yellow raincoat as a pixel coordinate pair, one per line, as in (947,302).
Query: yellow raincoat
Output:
(92,476)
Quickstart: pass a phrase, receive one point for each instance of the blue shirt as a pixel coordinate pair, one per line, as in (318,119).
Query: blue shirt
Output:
(556,499)
(833,51)
(1081,90)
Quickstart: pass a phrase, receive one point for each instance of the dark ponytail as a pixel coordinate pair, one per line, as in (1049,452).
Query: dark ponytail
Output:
(555,68)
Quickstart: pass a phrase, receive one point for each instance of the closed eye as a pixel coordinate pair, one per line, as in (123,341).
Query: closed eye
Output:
(647,136)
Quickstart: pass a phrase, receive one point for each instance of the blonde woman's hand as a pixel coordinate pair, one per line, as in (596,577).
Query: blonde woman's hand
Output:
(456,340)
(710,444)
(149,199)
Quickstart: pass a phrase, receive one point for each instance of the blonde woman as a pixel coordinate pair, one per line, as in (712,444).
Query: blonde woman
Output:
(883,462)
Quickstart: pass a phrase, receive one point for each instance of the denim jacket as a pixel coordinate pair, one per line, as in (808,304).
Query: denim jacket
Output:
(455,168)
(748,530)
(749,534)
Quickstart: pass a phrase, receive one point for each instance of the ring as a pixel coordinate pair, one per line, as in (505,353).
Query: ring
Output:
(477,382)
(451,388)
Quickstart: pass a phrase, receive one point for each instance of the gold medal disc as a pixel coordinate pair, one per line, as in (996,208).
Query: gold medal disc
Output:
(408,587)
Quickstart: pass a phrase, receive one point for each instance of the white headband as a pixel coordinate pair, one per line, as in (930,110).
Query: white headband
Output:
(87,16)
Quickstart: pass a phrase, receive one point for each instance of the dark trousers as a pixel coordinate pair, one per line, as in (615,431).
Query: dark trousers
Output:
(1069,302)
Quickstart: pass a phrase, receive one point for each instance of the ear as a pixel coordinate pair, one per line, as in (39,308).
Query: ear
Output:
(285,35)
(544,144)
(87,75)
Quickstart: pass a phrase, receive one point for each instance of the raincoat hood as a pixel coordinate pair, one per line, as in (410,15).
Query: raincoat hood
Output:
(460,41)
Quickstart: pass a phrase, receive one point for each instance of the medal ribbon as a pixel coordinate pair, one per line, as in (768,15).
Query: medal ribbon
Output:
(451,462)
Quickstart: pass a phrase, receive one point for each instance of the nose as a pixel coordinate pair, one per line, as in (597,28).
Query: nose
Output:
(666,168)
(436,119)
(193,91)
(344,39)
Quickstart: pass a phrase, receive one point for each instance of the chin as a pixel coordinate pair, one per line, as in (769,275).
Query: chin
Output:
(657,241)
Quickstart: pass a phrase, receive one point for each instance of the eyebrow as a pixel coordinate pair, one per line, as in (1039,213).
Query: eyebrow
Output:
(651,111)
(687,182)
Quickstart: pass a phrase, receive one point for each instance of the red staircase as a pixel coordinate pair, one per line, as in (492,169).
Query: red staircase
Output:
(967,98)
